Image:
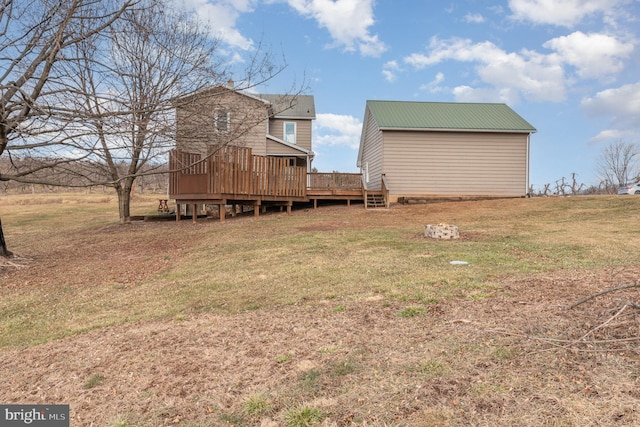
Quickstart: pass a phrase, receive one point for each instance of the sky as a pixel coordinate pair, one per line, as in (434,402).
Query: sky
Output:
(571,68)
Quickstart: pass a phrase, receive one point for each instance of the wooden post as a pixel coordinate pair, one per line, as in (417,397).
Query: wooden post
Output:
(289,204)
(348,203)
(194,214)
(256,208)
(315,203)
(222,210)
(177,211)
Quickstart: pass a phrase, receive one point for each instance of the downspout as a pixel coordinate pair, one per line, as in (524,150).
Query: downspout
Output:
(526,190)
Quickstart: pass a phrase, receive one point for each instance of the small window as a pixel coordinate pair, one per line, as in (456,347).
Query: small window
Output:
(221,120)
(290,132)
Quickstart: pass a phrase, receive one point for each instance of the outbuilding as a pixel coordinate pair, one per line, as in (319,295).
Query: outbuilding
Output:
(444,149)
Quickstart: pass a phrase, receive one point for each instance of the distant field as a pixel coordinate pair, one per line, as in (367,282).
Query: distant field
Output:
(337,315)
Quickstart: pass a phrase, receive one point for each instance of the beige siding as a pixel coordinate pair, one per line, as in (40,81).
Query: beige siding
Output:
(372,153)
(303,131)
(196,129)
(455,163)
(277,149)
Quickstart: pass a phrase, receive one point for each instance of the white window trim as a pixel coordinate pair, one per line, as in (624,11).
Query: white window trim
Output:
(295,132)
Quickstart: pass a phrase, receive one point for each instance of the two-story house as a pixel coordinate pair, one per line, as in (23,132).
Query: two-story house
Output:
(270,125)
(238,148)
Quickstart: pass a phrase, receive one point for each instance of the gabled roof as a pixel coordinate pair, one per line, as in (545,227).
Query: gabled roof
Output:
(452,116)
(291,106)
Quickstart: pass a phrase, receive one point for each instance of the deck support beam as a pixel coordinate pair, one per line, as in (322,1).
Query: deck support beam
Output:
(178,208)
(222,210)
(194,213)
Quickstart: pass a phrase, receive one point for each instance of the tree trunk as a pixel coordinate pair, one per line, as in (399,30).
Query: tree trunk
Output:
(124,203)
(4,252)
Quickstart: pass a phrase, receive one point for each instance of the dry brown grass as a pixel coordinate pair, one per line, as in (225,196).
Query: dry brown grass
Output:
(350,314)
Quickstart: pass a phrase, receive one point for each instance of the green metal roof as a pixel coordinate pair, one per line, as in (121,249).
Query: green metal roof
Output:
(447,116)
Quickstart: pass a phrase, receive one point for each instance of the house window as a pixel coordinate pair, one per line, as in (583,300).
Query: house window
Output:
(290,132)
(221,120)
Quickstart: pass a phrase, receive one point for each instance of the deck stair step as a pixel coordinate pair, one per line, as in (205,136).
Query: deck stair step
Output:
(375,200)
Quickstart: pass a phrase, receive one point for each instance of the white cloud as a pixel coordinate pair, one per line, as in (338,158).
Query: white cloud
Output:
(336,129)
(609,135)
(623,103)
(469,94)
(434,85)
(622,106)
(347,21)
(389,70)
(527,73)
(535,76)
(474,18)
(594,55)
(565,13)
(221,16)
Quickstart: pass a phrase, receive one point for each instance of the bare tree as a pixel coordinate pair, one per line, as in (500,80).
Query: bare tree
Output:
(618,164)
(576,188)
(33,36)
(126,87)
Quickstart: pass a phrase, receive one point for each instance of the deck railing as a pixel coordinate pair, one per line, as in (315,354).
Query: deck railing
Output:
(234,171)
(334,181)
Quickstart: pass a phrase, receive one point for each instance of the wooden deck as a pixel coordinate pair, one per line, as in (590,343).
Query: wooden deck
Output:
(234,176)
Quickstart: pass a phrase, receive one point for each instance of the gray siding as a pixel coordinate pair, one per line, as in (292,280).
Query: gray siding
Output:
(455,163)
(372,153)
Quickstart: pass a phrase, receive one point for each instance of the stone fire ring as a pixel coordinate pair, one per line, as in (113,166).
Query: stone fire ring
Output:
(441,231)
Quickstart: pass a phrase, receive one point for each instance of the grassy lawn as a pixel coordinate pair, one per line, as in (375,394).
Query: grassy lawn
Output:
(278,260)
(79,273)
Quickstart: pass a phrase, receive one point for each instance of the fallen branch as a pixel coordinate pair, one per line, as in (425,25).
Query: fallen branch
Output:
(602,325)
(606,291)
(6,263)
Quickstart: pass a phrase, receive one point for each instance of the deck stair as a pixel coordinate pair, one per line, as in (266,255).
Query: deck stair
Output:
(375,200)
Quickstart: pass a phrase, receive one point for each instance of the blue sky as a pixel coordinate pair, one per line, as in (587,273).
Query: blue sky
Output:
(569,67)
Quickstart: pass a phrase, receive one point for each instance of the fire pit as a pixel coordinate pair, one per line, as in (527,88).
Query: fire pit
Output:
(441,231)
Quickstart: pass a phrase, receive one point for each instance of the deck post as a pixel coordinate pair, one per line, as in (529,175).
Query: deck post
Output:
(178,211)
(348,203)
(315,203)
(256,208)
(222,210)
(194,214)
(289,204)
